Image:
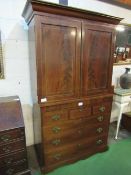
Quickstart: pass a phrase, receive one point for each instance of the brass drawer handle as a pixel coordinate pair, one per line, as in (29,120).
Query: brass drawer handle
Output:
(8,161)
(56,142)
(56,129)
(100,118)
(99,142)
(6,149)
(55,117)
(102,108)
(99,130)
(10,171)
(5,138)
(57,156)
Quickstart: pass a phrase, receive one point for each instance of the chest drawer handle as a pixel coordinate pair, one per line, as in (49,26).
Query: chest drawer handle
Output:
(99,142)
(99,130)
(57,156)
(56,129)
(100,118)
(6,149)
(102,108)
(10,171)
(8,161)
(55,117)
(5,138)
(56,142)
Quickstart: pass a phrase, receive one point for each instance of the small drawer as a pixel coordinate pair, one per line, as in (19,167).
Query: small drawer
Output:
(102,108)
(12,147)
(10,135)
(13,169)
(55,116)
(13,159)
(80,113)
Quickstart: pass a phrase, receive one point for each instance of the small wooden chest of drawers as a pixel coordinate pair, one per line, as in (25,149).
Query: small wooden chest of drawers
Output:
(13,154)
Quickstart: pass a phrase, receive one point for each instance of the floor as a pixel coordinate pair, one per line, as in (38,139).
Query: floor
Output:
(33,164)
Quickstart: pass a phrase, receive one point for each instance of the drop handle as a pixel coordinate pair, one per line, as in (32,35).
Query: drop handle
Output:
(100,118)
(102,108)
(55,117)
(99,142)
(56,142)
(99,130)
(57,156)
(56,129)
(5,138)
(8,161)
(6,149)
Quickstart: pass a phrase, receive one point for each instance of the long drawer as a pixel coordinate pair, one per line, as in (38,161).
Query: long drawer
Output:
(12,147)
(13,159)
(75,134)
(60,129)
(62,154)
(10,135)
(12,170)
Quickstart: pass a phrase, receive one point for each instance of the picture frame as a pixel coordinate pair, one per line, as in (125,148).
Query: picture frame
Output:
(1,59)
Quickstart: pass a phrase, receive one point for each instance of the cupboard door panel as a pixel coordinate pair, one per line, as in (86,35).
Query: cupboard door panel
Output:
(96,63)
(60,58)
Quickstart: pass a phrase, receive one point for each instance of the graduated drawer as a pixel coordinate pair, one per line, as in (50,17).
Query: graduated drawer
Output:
(12,147)
(80,113)
(54,116)
(13,159)
(55,156)
(12,170)
(102,108)
(10,135)
(74,135)
(60,129)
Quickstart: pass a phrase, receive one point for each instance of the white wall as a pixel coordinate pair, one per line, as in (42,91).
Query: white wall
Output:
(16,58)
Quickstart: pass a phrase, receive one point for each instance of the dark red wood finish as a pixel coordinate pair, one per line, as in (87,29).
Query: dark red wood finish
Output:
(71,57)
(13,154)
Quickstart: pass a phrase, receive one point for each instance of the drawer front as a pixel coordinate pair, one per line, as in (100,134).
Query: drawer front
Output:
(54,116)
(12,147)
(13,169)
(73,135)
(13,159)
(80,113)
(102,108)
(62,129)
(75,149)
(9,136)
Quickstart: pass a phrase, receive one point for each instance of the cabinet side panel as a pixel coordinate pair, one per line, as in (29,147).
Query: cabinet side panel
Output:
(32,60)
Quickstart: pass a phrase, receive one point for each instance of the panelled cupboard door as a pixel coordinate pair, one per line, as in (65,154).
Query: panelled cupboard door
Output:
(96,58)
(60,58)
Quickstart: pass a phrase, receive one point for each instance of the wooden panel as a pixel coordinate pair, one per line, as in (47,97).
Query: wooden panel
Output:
(12,147)
(53,117)
(13,169)
(60,58)
(61,129)
(96,63)
(74,135)
(10,113)
(11,135)
(80,113)
(75,148)
(13,159)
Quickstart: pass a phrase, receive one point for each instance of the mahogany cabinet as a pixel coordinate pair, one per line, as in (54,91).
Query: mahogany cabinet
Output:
(71,57)
(13,154)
